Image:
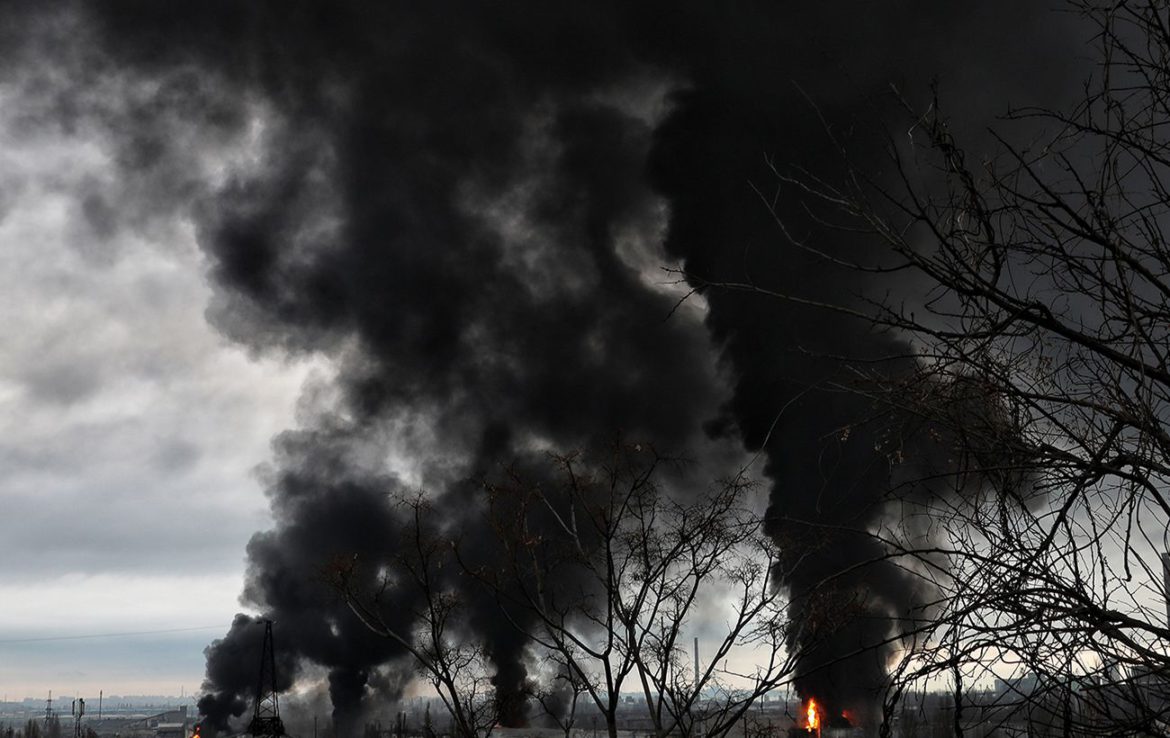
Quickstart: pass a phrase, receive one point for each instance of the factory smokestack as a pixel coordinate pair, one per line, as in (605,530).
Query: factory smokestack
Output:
(1166,583)
(696,659)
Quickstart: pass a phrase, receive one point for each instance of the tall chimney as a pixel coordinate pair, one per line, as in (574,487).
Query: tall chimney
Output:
(1166,583)
(1165,563)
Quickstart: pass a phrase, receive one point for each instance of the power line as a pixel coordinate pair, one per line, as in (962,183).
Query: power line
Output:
(111,635)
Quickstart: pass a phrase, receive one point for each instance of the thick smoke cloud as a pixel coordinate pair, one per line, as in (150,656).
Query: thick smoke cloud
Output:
(236,673)
(460,203)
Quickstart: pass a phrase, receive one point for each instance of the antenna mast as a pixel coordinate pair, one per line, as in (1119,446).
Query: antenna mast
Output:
(266,722)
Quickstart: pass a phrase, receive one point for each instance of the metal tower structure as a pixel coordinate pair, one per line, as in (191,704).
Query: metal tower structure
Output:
(78,712)
(266,720)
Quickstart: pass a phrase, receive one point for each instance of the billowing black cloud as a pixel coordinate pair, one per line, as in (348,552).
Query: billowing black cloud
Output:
(457,202)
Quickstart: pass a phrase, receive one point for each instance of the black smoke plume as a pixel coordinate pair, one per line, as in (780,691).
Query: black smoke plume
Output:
(236,671)
(465,205)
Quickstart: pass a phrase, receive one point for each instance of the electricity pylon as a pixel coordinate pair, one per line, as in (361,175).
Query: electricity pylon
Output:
(266,720)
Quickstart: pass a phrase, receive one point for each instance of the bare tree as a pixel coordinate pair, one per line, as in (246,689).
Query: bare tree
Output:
(436,632)
(1031,435)
(606,573)
(560,695)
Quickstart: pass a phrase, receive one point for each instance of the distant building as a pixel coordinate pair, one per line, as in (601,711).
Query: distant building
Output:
(169,724)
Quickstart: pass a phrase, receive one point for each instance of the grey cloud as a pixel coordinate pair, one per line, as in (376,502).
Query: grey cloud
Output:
(63,383)
(114,393)
(175,455)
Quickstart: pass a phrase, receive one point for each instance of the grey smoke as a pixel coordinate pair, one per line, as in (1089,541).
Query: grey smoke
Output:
(457,202)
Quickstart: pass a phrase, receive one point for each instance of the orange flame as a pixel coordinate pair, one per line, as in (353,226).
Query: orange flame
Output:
(812,715)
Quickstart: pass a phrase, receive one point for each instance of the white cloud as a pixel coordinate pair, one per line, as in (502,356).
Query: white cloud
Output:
(129,429)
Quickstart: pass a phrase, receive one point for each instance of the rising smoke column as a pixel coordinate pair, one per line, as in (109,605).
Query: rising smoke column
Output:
(786,354)
(459,202)
(475,270)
